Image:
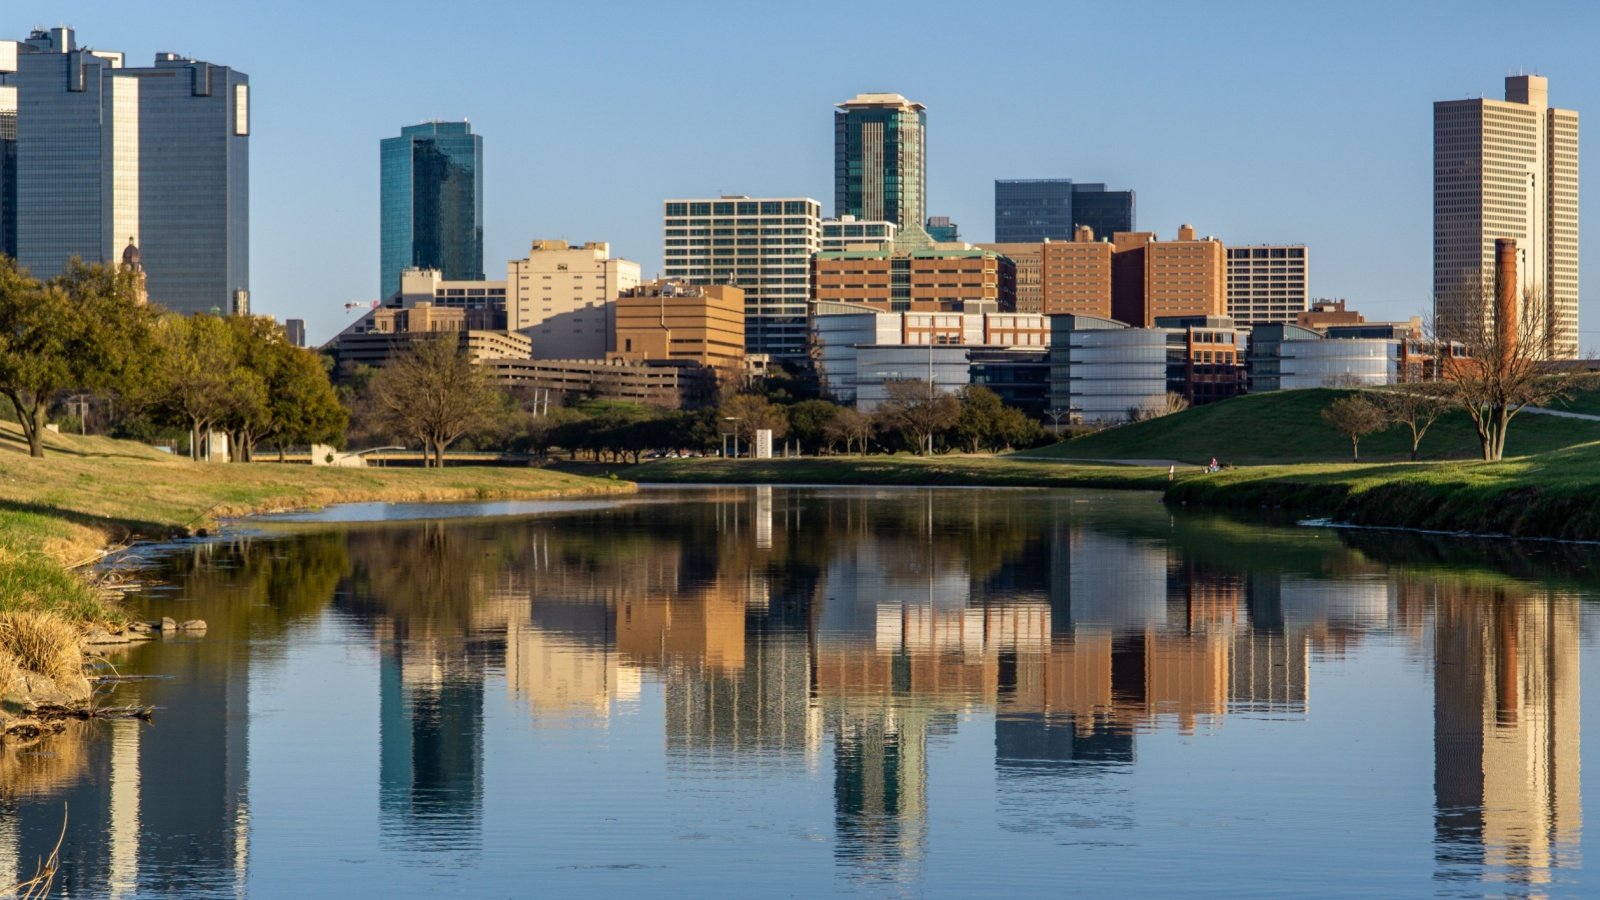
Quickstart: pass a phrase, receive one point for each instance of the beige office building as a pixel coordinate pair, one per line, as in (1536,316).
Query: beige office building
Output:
(1507,169)
(1267,284)
(668,320)
(1029,259)
(564,298)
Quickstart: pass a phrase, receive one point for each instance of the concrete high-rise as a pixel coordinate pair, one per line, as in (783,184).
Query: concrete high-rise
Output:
(1507,169)
(880,153)
(565,297)
(431,203)
(108,156)
(761,245)
(1033,209)
(1267,284)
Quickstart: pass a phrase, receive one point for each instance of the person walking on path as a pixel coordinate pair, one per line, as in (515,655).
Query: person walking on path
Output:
(1172,471)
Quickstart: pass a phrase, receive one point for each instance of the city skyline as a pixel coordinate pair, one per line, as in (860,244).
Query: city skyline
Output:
(1280,173)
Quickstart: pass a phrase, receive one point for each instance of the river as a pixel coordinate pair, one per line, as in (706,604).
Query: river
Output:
(793,692)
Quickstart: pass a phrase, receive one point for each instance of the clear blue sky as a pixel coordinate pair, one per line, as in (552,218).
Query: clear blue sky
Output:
(1256,122)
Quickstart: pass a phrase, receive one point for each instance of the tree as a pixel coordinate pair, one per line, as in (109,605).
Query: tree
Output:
(751,413)
(1357,417)
(808,424)
(82,330)
(195,379)
(1492,365)
(917,412)
(304,407)
(433,394)
(1173,402)
(850,427)
(1413,406)
(978,422)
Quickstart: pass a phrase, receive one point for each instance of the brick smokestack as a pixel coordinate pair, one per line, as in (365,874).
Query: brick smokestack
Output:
(1505,297)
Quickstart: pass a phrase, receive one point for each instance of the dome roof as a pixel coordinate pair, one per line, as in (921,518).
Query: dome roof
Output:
(130,255)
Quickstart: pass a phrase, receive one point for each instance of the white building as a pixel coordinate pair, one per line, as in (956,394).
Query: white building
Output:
(1507,169)
(429,286)
(564,298)
(1267,284)
(841,233)
(762,245)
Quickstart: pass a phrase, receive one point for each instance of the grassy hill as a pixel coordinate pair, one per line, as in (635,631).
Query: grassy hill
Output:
(1287,427)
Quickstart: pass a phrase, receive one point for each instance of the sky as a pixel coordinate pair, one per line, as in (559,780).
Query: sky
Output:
(1256,122)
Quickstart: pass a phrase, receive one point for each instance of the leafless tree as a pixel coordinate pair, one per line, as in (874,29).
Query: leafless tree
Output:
(1356,417)
(1155,408)
(917,411)
(850,427)
(1415,406)
(1497,369)
(433,393)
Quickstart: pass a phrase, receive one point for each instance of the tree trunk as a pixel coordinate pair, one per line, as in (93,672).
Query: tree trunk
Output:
(194,439)
(35,429)
(1355,449)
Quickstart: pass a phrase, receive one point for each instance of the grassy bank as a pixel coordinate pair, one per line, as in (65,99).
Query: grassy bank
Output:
(60,511)
(937,471)
(1550,495)
(1287,427)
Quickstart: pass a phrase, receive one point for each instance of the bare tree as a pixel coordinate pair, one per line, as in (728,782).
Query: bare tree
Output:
(917,411)
(1173,402)
(850,427)
(1416,407)
(1356,417)
(432,392)
(1495,363)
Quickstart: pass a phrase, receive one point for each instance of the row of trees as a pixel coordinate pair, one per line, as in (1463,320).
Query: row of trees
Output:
(87,331)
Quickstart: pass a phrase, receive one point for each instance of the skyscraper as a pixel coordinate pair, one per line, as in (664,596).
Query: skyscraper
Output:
(1267,284)
(8,147)
(762,245)
(1030,210)
(1507,169)
(157,157)
(432,203)
(880,160)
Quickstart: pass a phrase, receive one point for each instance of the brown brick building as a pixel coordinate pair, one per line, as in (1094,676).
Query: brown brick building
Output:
(1160,279)
(669,320)
(924,280)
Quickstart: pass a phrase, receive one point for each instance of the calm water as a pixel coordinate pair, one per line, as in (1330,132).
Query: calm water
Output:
(760,691)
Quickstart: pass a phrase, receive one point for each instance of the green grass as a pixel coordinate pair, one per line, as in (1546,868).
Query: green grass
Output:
(1550,495)
(895,470)
(1287,427)
(1585,402)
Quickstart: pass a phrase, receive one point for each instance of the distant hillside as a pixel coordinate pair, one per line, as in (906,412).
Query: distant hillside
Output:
(1287,427)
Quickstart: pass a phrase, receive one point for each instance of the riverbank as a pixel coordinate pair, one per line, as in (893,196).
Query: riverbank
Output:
(1552,495)
(61,513)
(936,471)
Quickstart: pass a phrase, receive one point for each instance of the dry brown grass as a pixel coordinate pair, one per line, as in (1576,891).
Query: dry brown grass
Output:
(42,642)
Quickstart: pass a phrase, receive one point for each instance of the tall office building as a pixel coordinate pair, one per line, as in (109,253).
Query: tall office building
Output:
(8,146)
(1267,285)
(157,157)
(762,245)
(880,160)
(1507,169)
(1030,210)
(432,203)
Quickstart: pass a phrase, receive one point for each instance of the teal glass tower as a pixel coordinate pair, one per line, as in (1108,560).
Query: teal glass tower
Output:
(880,160)
(432,203)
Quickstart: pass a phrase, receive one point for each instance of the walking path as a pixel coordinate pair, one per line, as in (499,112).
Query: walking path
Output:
(1560,412)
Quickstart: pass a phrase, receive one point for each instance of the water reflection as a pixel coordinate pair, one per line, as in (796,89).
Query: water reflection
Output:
(848,637)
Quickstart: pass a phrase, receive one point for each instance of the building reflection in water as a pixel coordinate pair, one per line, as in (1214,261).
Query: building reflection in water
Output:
(777,623)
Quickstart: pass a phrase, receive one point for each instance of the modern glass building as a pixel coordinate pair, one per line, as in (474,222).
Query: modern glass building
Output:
(942,230)
(158,157)
(880,160)
(1033,209)
(431,203)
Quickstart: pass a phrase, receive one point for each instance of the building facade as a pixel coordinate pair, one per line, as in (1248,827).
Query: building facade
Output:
(661,320)
(1507,169)
(841,233)
(764,247)
(880,160)
(1267,284)
(431,203)
(108,155)
(9,50)
(429,286)
(1154,279)
(564,297)
(942,230)
(1032,210)
(1102,370)
(947,279)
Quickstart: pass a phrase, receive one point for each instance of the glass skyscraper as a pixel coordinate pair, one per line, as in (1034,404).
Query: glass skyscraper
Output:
(1027,211)
(159,157)
(432,203)
(880,160)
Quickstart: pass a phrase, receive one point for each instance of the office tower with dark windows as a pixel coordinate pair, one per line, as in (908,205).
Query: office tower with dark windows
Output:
(943,231)
(880,160)
(157,157)
(1507,169)
(761,245)
(432,203)
(1033,209)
